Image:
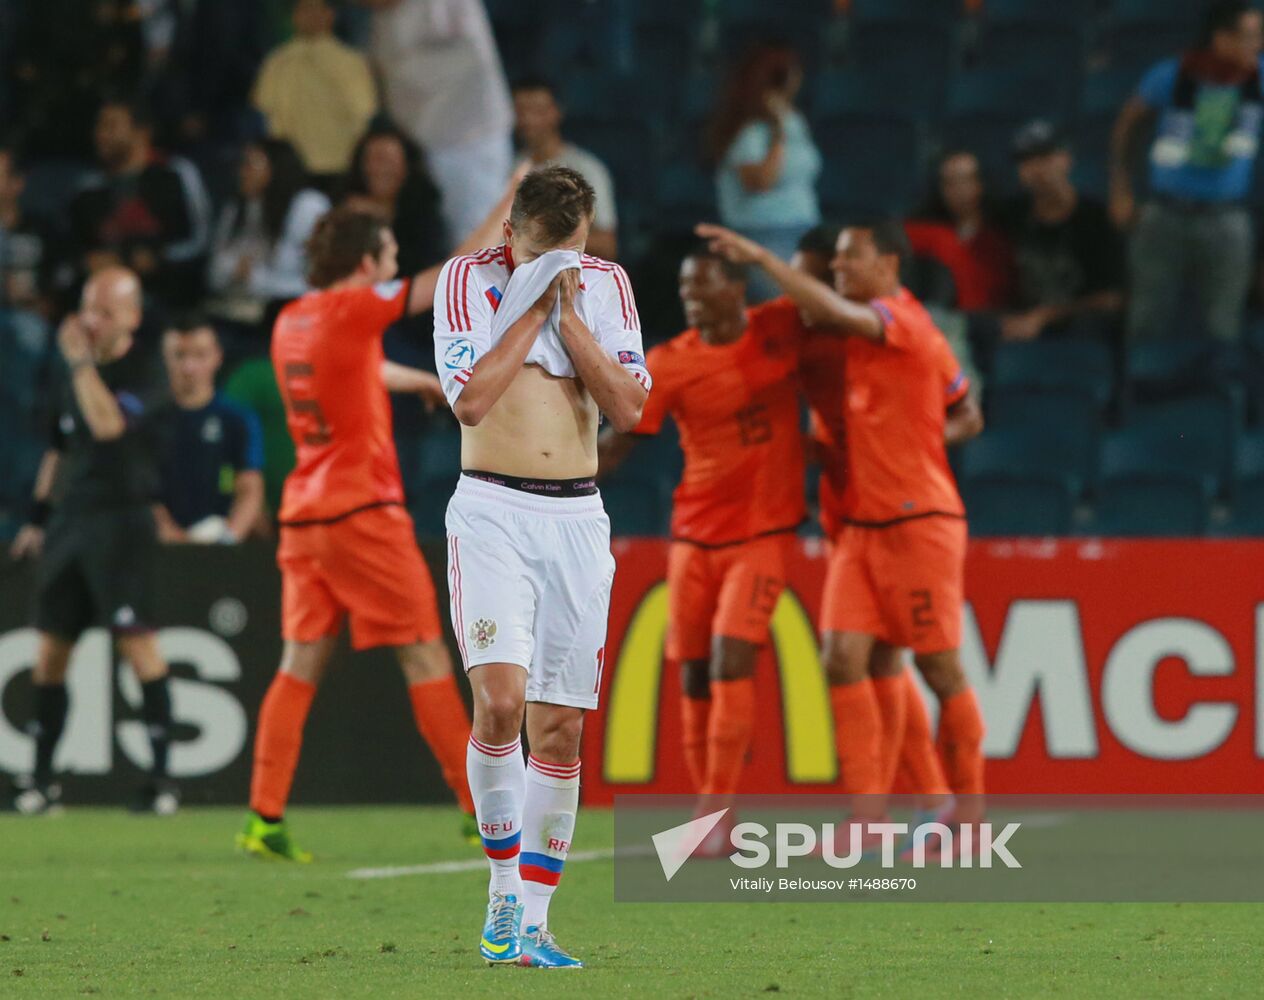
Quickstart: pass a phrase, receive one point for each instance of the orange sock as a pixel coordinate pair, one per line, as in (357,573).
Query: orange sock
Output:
(857,733)
(889,692)
(445,725)
(961,742)
(278,741)
(694,713)
(728,734)
(919,769)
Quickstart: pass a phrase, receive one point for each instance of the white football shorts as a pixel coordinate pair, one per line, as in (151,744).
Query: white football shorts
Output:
(529,578)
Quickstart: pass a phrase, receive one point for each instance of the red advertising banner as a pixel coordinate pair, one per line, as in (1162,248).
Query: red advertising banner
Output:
(1100,665)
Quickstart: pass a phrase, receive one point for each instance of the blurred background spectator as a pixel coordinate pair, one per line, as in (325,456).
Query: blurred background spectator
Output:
(1068,258)
(212,452)
(1194,234)
(958,227)
(317,93)
(766,162)
(26,244)
(258,257)
(388,178)
(538,117)
(142,210)
(443,84)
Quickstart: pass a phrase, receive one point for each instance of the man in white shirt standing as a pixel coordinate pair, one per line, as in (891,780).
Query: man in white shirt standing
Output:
(534,342)
(444,85)
(538,119)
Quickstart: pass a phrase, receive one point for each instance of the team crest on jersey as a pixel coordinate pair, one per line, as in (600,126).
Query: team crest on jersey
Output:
(483,632)
(460,355)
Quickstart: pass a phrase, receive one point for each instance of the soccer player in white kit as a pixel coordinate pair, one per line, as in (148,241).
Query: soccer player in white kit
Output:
(534,341)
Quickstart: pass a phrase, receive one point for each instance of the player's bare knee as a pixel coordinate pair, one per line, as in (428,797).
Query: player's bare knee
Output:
(141,651)
(695,678)
(555,734)
(885,660)
(52,660)
(942,672)
(845,658)
(733,659)
(424,661)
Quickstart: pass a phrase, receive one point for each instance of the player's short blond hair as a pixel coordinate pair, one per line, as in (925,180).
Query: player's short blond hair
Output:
(554,201)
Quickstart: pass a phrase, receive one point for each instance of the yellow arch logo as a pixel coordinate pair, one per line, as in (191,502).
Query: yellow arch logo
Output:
(632,716)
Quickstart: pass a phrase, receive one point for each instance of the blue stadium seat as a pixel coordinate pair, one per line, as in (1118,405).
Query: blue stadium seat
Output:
(1051,451)
(1103,93)
(1010,93)
(1071,365)
(682,15)
(1138,45)
(938,12)
(1006,506)
(1062,430)
(1181,13)
(1169,367)
(1072,12)
(872,162)
(440,450)
(918,48)
(629,149)
(1150,506)
(686,194)
(638,506)
(877,91)
(1033,46)
(430,505)
(1193,438)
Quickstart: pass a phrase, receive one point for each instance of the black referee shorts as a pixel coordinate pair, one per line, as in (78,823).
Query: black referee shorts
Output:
(97,569)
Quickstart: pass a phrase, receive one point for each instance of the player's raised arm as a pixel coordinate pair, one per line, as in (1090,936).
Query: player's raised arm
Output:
(618,391)
(402,379)
(821,305)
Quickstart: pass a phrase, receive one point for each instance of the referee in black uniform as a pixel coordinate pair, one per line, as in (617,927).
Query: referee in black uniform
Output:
(92,526)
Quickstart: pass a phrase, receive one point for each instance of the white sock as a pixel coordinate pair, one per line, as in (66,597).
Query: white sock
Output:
(548,822)
(498,787)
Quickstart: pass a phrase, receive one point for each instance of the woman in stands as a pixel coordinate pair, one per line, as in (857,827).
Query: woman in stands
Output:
(387,179)
(258,261)
(957,227)
(766,162)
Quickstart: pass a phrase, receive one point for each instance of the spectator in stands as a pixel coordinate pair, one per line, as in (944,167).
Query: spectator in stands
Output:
(212,454)
(316,92)
(538,123)
(444,85)
(767,164)
(387,178)
(957,227)
(1069,267)
(258,258)
(143,210)
(26,244)
(1195,231)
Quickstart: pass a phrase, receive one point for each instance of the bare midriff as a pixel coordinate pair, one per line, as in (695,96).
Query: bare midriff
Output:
(543,427)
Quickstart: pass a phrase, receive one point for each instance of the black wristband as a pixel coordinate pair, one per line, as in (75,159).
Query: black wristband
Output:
(41,510)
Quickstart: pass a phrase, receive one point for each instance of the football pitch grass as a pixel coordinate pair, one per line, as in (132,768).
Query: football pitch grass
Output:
(100,903)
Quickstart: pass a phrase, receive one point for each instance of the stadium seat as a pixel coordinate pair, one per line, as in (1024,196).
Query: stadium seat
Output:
(638,506)
(1102,94)
(1169,367)
(1138,45)
(1010,93)
(1071,365)
(1193,438)
(918,48)
(872,162)
(430,505)
(1047,452)
(1004,506)
(1150,506)
(937,12)
(1065,12)
(1033,46)
(1179,13)
(1062,430)
(686,195)
(440,450)
(628,148)
(681,15)
(854,90)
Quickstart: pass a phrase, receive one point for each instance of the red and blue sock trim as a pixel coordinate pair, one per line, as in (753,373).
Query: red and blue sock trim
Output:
(540,868)
(504,848)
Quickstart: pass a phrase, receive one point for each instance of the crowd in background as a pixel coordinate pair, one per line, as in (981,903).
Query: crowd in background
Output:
(198,141)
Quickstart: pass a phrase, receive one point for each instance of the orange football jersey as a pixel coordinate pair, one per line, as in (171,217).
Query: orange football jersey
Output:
(327,352)
(898,390)
(737,408)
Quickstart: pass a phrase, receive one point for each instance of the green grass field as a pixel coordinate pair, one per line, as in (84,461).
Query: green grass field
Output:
(100,903)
